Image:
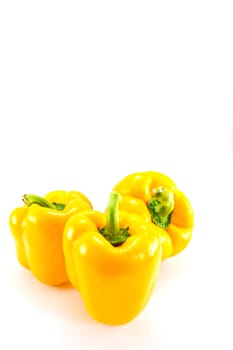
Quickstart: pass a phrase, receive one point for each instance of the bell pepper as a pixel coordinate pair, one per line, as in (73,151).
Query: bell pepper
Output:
(156,198)
(113,259)
(37,228)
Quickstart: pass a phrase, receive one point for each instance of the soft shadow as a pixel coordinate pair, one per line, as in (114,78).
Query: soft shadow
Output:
(63,301)
(171,270)
(135,334)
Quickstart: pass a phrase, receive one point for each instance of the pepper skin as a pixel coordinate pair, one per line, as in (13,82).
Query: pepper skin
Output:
(176,224)
(115,279)
(37,228)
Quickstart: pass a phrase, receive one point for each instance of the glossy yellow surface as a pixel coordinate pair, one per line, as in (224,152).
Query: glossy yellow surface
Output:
(136,190)
(115,282)
(38,233)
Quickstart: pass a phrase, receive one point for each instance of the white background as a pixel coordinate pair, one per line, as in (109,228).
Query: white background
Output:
(91,91)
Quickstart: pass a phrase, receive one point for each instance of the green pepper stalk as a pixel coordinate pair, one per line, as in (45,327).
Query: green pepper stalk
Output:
(30,199)
(161,206)
(112,232)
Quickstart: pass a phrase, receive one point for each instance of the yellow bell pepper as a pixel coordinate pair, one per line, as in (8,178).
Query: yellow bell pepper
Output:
(156,198)
(37,228)
(113,259)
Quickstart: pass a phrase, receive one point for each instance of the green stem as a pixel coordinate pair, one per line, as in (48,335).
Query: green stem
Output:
(30,199)
(112,215)
(161,206)
(112,232)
